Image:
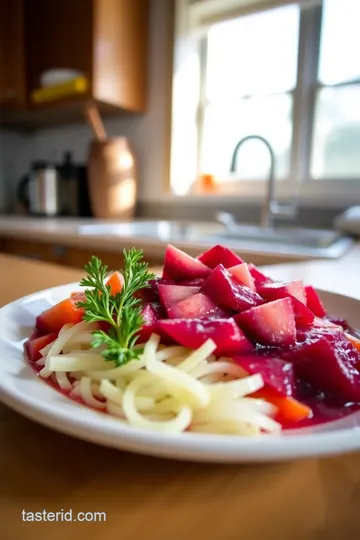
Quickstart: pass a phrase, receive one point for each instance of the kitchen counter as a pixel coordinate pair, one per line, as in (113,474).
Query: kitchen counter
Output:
(60,240)
(65,231)
(143,497)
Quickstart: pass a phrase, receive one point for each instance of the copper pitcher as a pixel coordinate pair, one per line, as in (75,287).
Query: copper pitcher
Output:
(112,178)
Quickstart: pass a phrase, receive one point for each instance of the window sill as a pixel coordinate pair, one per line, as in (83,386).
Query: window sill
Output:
(313,193)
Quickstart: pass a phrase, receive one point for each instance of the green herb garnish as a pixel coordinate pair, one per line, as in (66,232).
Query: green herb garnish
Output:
(122,311)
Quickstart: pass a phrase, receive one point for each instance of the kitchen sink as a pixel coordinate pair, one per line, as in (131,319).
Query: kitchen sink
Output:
(296,242)
(164,231)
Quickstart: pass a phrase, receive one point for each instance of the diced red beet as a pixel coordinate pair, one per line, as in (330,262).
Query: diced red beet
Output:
(325,365)
(303,315)
(340,322)
(180,266)
(325,324)
(258,276)
(148,294)
(34,345)
(160,281)
(219,255)
(334,336)
(165,277)
(149,314)
(313,302)
(192,333)
(159,309)
(195,307)
(151,293)
(104,326)
(275,291)
(172,294)
(277,374)
(225,291)
(270,324)
(295,291)
(197,282)
(149,327)
(241,274)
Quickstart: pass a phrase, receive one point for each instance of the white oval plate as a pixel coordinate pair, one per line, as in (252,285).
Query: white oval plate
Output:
(27,394)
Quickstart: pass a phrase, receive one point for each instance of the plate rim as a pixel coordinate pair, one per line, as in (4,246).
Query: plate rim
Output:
(186,446)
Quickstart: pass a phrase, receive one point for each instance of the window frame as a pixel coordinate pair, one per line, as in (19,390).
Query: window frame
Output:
(300,184)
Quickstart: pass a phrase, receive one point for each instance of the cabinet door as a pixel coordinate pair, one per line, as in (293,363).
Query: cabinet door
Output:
(59,35)
(12,60)
(120,52)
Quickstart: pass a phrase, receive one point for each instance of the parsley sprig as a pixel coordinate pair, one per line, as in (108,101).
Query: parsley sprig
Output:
(121,311)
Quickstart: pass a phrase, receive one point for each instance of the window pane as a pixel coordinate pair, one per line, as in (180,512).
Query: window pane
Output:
(226,124)
(340,41)
(336,141)
(256,54)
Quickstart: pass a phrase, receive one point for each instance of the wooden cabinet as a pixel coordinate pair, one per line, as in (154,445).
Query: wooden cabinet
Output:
(12,54)
(106,41)
(59,35)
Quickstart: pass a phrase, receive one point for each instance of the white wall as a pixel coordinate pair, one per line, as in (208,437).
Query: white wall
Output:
(148,133)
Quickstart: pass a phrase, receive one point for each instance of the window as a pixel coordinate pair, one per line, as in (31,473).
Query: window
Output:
(336,141)
(290,74)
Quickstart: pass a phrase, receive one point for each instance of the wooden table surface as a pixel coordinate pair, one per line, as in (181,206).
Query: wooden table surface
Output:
(154,499)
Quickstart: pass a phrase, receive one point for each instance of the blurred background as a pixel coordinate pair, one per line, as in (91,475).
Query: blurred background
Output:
(182,82)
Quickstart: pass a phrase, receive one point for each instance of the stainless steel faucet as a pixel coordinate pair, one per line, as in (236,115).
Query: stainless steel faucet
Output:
(270,207)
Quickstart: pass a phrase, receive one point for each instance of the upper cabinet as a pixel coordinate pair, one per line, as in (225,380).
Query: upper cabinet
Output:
(12,60)
(102,44)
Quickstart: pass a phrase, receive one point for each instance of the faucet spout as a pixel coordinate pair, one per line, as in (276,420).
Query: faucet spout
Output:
(267,219)
(270,207)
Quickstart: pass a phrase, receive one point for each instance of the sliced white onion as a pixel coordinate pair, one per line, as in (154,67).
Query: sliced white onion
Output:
(234,411)
(87,396)
(66,333)
(169,352)
(40,362)
(238,388)
(178,380)
(176,425)
(45,373)
(198,356)
(44,351)
(76,362)
(110,391)
(115,373)
(218,367)
(114,409)
(63,381)
(212,378)
(227,428)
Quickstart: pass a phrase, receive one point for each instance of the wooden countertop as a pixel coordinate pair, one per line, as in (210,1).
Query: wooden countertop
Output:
(153,499)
